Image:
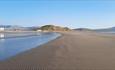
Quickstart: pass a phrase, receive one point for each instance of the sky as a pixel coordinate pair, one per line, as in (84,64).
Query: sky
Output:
(67,13)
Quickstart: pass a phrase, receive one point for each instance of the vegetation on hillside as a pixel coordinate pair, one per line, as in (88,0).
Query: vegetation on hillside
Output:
(54,28)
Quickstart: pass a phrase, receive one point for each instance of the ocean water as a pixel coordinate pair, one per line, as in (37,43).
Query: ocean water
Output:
(10,47)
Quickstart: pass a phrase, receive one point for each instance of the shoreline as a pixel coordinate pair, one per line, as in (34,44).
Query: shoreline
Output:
(71,51)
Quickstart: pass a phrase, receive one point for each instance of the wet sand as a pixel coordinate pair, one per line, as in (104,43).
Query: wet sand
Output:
(72,51)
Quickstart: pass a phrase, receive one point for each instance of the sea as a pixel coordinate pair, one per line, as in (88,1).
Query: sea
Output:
(12,44)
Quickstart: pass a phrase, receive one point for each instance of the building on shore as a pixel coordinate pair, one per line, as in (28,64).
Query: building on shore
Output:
(2,28)
(2,35)
(39,30)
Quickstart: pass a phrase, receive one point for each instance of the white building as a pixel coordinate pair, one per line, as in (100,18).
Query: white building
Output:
(2,29)
(1,35)
(39,30)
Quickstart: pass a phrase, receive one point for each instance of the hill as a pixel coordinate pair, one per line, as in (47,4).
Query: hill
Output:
(112,29)
(83,29)
(54,28)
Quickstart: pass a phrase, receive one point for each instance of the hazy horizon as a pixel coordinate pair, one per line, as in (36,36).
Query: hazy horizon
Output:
(73,14)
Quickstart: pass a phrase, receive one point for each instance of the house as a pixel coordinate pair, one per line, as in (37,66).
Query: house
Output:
(2,28)
(2,35)
(39,30)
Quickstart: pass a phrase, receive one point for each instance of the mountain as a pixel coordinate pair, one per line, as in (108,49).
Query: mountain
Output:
(5,26)
(18,28)
(112,29)
(83,29)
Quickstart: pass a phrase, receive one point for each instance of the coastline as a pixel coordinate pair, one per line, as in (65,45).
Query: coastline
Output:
(71,51)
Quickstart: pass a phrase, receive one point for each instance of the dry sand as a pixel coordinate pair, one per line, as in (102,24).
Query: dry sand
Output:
(72,51)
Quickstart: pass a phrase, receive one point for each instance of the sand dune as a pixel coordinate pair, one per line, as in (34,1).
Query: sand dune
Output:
(72,51)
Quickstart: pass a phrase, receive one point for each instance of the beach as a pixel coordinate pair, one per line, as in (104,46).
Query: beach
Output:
(74,50)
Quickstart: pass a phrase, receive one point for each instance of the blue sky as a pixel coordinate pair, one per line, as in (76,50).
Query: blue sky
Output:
(73,14)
